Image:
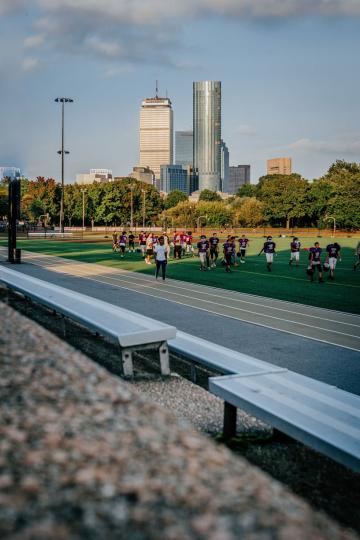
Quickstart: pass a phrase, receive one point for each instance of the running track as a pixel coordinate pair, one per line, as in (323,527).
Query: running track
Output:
(333,327)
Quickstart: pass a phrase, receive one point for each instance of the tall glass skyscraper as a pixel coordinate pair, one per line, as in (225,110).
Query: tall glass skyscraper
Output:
(207,133)
(184,142)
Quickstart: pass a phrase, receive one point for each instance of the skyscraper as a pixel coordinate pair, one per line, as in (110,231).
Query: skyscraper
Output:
(224,166)
(279,166)
(184,141)
(238,176)
(174,177)
(207,133)
(156,134)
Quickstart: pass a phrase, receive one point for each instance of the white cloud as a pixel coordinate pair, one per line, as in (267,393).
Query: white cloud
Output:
(34,41)
(148,30)
(340,147)
(30,63)
(107,48)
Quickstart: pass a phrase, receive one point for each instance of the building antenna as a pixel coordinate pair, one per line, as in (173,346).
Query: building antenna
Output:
(166,94)
(157,89)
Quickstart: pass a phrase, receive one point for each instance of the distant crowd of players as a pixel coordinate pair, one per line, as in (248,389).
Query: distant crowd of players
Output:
(158,247)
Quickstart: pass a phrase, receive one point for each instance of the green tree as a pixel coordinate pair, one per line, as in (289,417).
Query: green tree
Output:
(208,195)
(174,198)
(217,213)
(111,203)
(41,197)
(250,212)
(247,190)
(284,198)
(319,194)
(184,214)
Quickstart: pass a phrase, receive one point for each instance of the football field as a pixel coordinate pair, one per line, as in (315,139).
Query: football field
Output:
(283,283)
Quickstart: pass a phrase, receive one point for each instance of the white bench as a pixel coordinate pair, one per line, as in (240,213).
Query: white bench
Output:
(131,330)
(315,413)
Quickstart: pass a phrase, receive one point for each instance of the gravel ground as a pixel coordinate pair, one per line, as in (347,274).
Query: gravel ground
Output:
(324,483)
(84,456)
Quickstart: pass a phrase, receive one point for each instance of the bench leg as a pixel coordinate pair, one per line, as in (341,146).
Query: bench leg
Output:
(229,429)
(127,363)
(164,359)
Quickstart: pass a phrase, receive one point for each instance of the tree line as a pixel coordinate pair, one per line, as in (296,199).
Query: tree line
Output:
(277,200)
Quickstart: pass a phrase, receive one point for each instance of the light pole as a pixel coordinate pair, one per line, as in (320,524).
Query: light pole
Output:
(83,191)
(62,152)
(131,206)
(143,209)
(334,229)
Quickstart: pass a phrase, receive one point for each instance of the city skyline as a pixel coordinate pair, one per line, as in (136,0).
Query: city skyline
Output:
(282,94)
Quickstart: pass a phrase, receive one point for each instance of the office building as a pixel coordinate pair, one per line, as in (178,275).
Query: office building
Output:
(95,175)
(143,174)
(224,167)
(9,172)
(174,177)
(207,133)
(238,176)
(156,134)
(184,141)
(279,166)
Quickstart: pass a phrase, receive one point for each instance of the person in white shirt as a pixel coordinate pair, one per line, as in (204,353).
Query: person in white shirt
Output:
(161,252)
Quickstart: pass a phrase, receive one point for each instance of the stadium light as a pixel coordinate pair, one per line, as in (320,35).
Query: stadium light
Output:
(62,152)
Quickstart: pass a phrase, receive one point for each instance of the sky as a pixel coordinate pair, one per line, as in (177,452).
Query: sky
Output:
(290,73)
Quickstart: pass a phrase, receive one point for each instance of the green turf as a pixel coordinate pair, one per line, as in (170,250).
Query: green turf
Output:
(283,282)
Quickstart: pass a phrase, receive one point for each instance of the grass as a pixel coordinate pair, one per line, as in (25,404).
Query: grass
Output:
(283,282)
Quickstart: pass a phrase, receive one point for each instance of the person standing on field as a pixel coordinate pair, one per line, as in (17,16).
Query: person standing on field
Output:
(149,248)
(161,252)
(131,242)
(333,255)
(269,250)
(295,251)
(122,243)
(142,243)
(214,249)
(243,245)
(315,262)
(229,250)
(203,250)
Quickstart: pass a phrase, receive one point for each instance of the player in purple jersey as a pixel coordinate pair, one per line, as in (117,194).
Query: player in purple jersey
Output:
(122,243)
(315,262)
(295,251)
(229,251)
(333,255)
(203,250)
(269,250)
(243,245)
(214,249)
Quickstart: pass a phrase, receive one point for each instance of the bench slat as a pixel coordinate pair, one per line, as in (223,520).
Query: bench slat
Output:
(129,328)
(217,357)
(315,415)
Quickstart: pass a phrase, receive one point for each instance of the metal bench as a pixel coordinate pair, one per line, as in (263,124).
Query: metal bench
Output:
(317,414)
(215,356)
(131,330)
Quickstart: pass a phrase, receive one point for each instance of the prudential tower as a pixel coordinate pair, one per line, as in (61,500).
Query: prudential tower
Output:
(207,133)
